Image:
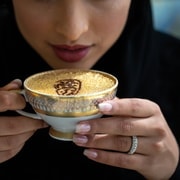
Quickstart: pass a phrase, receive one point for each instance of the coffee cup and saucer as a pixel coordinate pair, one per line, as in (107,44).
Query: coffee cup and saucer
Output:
(64,97)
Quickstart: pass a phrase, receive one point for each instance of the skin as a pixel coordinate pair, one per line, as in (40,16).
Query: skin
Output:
(75,22)
(97,24)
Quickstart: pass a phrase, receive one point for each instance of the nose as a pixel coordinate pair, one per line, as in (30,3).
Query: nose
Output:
(72,21)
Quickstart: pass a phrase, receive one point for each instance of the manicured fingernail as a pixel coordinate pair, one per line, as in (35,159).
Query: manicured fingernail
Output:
(18,81)
(105,106)
(83,128)
(90,153)
(80,139)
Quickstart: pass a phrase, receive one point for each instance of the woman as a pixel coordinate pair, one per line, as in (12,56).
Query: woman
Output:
(137,138)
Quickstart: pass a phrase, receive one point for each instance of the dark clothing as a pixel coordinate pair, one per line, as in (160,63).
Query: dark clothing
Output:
(147,65)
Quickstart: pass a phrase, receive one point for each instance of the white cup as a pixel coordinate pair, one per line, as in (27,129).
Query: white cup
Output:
(64,97)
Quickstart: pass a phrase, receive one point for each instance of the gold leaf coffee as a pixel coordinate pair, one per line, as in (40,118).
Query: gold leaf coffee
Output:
(70,82)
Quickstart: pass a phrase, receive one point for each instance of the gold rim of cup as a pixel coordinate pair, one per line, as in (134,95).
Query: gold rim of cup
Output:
(69,105)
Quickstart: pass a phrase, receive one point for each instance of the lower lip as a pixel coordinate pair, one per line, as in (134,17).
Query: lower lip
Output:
(71,56)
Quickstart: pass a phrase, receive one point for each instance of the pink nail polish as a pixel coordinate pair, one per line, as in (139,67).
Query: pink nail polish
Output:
(105,106)
(90,153)
(83,128)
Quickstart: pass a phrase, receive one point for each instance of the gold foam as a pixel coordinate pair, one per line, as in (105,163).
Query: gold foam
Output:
(92,81)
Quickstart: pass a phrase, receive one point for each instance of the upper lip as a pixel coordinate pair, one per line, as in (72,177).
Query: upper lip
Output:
(70,48)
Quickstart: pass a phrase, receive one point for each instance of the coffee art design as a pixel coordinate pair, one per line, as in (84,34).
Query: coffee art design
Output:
(67,86)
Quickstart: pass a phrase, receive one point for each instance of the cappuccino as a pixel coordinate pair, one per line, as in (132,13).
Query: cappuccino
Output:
(69,82)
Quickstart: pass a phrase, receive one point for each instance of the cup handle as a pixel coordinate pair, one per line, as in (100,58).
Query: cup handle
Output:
(28,114)
(24,113)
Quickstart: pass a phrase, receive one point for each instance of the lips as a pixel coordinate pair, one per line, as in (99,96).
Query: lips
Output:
(70,53)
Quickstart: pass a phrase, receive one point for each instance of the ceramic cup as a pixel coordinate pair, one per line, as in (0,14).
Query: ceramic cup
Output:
(64,97)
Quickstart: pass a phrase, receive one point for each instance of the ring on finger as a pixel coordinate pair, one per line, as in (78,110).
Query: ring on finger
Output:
(134,145)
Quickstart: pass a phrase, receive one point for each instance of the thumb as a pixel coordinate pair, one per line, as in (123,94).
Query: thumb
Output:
(14,84)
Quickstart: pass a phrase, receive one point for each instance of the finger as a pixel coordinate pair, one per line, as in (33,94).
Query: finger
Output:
(125,126)
(122,160)
(13,141)
(129,107)
(11,101)
(6,155)
(19,124)
(15,84)
(115,143)
(104,141)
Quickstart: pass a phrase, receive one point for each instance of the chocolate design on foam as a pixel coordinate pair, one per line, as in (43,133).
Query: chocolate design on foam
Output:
(67,86)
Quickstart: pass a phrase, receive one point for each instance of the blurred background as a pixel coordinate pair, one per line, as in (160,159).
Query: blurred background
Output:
(166,15)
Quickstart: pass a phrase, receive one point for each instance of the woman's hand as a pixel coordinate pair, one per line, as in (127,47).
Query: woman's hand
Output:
(108,140)
(14,131)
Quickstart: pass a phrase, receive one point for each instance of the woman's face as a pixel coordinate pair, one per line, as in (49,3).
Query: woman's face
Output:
(71,33)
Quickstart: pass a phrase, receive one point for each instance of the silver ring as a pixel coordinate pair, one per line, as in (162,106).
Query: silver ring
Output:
(134,145)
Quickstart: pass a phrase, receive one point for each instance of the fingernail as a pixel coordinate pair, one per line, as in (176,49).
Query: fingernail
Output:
(83,128)
(80,139)
(17,81)
(90,153)
(105,106)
